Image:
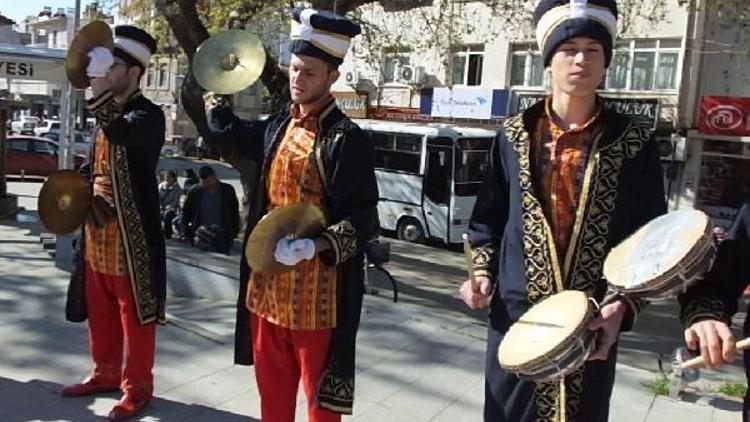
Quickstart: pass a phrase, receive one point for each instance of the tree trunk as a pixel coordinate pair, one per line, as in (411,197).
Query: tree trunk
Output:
(189,31)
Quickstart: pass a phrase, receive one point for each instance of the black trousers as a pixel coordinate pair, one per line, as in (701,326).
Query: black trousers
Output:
(510,399)
(167,219)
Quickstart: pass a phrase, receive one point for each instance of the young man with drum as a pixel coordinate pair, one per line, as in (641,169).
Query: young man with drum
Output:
(707,307)
(301,325)
(567,180)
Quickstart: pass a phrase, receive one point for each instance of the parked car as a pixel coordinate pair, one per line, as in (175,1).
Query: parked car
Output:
(170,150)
(81,142)
(46,126)
(24,125)
(34,156)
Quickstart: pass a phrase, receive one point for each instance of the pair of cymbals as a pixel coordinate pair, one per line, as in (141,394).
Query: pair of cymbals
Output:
(229,62)
(64,201)
(298,220)
(95,34)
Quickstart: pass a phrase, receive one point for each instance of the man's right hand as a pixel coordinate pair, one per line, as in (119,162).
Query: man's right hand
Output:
(715,341)
(477,294)
(212,99)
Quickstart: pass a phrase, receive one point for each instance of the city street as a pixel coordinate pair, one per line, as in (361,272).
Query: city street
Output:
(419,359)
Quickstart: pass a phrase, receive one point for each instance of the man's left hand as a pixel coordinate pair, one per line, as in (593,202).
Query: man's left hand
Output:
(608,323)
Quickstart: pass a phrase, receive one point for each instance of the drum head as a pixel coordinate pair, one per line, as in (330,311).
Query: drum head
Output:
(544,329)
(655,249)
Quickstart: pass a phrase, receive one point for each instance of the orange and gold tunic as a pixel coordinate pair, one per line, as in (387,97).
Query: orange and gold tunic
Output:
(105,251)
(304,298)
(560,158)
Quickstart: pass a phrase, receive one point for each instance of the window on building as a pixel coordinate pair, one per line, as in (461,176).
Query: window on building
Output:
(163,75)
(468,62)
(644,65)
(150,78)
(527,68)
(391,62)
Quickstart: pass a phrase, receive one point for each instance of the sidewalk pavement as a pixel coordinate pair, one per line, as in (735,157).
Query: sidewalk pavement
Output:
(414,362)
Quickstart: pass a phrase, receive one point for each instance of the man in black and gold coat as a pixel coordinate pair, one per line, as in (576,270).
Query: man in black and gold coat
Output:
(120,279)
(300,327)
(567,180)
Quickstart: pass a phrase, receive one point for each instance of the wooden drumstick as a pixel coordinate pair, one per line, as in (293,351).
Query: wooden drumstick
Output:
(469,262)
(698,362)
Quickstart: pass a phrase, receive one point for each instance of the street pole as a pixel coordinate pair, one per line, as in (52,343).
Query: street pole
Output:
(69,106)
(64,243)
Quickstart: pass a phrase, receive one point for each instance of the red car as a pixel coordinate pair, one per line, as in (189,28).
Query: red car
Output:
(33,156)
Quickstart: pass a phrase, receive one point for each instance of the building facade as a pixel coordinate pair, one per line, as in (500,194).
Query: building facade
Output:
(663,71)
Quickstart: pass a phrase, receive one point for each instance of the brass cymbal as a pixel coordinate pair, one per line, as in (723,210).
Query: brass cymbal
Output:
(64,201)
(95,34)
(298,220)
(229,61)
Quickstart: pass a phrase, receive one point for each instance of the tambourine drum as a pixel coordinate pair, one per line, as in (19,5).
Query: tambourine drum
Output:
(663,257)
(551,339)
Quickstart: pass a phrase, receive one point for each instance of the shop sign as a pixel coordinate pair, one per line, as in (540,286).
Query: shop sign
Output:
(353,104)
(722,115)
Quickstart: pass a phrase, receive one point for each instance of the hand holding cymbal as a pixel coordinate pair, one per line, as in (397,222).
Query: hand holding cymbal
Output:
(295,221)
(64,201)
(229,61)
(96,34)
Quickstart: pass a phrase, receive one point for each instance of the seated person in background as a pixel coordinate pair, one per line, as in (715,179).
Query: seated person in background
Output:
(210,215)
(169,202)
(190,180)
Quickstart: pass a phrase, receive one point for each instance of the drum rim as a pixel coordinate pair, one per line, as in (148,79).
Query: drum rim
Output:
(692,270)
(556,350)
(705,237)
(671,287)
(571,363)
(702,247)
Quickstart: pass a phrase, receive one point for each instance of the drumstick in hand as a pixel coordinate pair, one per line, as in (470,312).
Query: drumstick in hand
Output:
(469,262)
(699,362)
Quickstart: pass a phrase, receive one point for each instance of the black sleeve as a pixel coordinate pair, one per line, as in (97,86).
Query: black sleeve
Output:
(490,214)
(247,135)
(142,125)
(352,198)
(716,295)
(650,203)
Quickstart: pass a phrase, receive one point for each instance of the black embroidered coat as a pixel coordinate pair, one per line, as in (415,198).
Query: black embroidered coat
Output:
(136,134)
(513,245)
(343,154)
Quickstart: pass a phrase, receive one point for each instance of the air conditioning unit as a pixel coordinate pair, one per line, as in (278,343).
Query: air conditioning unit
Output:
(351,77)
(411,75)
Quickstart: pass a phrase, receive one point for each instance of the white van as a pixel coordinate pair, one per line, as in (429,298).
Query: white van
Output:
(428,176)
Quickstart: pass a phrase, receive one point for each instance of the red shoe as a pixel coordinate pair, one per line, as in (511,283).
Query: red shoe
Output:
(89,387)
(127,407)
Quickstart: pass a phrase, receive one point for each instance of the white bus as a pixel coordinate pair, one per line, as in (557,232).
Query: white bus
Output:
(428,176)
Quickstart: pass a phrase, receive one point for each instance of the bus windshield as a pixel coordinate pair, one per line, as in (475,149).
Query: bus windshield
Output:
(471,158)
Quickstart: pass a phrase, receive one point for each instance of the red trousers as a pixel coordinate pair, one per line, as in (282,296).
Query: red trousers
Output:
(283,357)
(114,330)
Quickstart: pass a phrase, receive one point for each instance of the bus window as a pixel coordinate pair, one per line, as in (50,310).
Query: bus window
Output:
(397,152)
(437,181)
(409,143)
(470,164)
